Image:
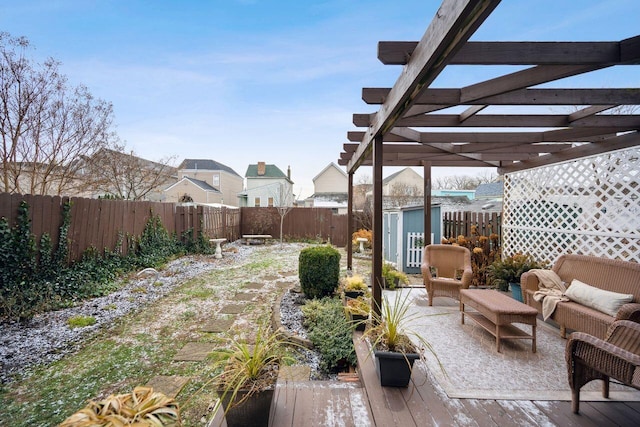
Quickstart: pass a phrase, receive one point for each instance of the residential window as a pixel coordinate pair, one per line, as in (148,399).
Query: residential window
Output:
(270,202)
(256,202)
(216,180)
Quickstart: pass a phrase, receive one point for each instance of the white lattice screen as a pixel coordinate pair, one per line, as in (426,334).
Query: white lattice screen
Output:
(590,206)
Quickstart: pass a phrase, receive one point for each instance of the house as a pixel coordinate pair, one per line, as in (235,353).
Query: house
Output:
(205,181)
(330,190)
(267,185)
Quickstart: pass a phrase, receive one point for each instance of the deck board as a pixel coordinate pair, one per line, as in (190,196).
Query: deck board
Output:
(424,403)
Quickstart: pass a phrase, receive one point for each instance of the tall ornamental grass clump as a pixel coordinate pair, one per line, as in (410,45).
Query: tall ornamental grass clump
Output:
(319,271)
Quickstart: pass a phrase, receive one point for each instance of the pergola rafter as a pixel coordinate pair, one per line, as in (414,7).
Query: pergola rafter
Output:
(415,124)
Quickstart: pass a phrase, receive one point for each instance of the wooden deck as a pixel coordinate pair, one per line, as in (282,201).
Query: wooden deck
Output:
(424,403)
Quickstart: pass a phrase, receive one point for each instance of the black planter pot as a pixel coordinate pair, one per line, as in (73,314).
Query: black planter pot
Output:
(253,412)
(359,320)
(394,369)
(353,294)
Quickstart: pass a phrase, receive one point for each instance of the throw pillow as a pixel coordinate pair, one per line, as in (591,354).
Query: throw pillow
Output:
(605,301)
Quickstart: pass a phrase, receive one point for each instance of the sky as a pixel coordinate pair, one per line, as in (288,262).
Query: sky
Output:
(243,81)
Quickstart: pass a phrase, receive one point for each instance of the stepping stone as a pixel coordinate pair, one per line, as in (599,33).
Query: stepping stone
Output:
(254,285)
(288,273)
(194,352)
(244,296)
(232,309)
(218,325)
(169,385)
(283,284)
(294,373)
(270,278)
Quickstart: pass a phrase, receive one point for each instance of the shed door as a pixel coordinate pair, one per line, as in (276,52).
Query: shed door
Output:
(391,238)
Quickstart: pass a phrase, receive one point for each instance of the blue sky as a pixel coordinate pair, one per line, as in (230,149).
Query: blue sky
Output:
(242,81)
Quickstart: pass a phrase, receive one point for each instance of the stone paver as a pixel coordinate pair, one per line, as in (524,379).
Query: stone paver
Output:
(254,285)
(244,296)
(218,325)
(232,309)
(169,385)
(195,351)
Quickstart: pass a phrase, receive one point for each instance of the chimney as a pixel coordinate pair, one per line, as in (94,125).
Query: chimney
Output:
(262,168)
(289,172)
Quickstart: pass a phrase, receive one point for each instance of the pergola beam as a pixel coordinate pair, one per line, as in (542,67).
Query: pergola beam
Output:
(511,53)
(521,53)
(437,98)
(454,23)
(592,149)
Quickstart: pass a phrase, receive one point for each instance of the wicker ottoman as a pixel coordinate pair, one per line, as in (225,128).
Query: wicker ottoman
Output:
(496,312)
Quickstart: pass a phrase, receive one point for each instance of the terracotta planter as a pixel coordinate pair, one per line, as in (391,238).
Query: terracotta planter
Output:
(254,412)
(394,369)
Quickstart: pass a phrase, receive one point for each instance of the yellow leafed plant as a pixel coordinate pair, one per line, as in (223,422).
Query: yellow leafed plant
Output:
(143,408)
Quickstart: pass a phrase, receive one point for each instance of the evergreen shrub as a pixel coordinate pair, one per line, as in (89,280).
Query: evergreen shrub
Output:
(319,271)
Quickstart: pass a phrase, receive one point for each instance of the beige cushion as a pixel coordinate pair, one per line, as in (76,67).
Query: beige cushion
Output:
(605,301)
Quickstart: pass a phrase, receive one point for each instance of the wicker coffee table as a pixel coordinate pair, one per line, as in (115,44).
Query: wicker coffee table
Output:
(496,312)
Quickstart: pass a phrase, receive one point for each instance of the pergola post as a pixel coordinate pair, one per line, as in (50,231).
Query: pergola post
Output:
(350,223)
(376,257)
(427,203)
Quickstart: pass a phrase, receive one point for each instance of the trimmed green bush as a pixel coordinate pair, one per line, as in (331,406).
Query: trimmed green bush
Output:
(319,271)
(330,333)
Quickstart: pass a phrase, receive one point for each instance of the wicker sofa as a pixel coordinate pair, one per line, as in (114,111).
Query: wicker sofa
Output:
(611,275)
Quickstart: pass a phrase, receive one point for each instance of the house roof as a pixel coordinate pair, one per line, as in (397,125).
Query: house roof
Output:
(395,174)
(206,164)
(335,197)
(491,189)
(271,171)
(201,184)
(329,166)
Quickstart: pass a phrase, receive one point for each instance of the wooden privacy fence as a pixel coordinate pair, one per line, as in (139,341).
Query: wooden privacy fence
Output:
(299,223)
(98,222)
(456,224)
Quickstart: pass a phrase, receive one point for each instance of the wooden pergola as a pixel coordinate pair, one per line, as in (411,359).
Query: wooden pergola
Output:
(404,130)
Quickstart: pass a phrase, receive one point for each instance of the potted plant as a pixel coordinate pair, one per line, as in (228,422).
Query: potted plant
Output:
(141,407)
(390,342)
(392,276)
(358,310)
(506,272)
(248,377)
(354,286)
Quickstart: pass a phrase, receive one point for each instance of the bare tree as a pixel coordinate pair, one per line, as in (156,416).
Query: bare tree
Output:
(283,201)
(463,182)
(45,125)
(362,204)
(126,175)
(402,194)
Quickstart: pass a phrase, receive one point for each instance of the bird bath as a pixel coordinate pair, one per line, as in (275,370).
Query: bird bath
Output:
(218,253)
(362,240)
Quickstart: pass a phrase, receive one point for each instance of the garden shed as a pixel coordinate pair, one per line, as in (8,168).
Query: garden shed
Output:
(403,231)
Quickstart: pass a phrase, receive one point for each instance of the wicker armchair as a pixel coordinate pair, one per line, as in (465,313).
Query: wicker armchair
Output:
(590,358)
(447,259)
